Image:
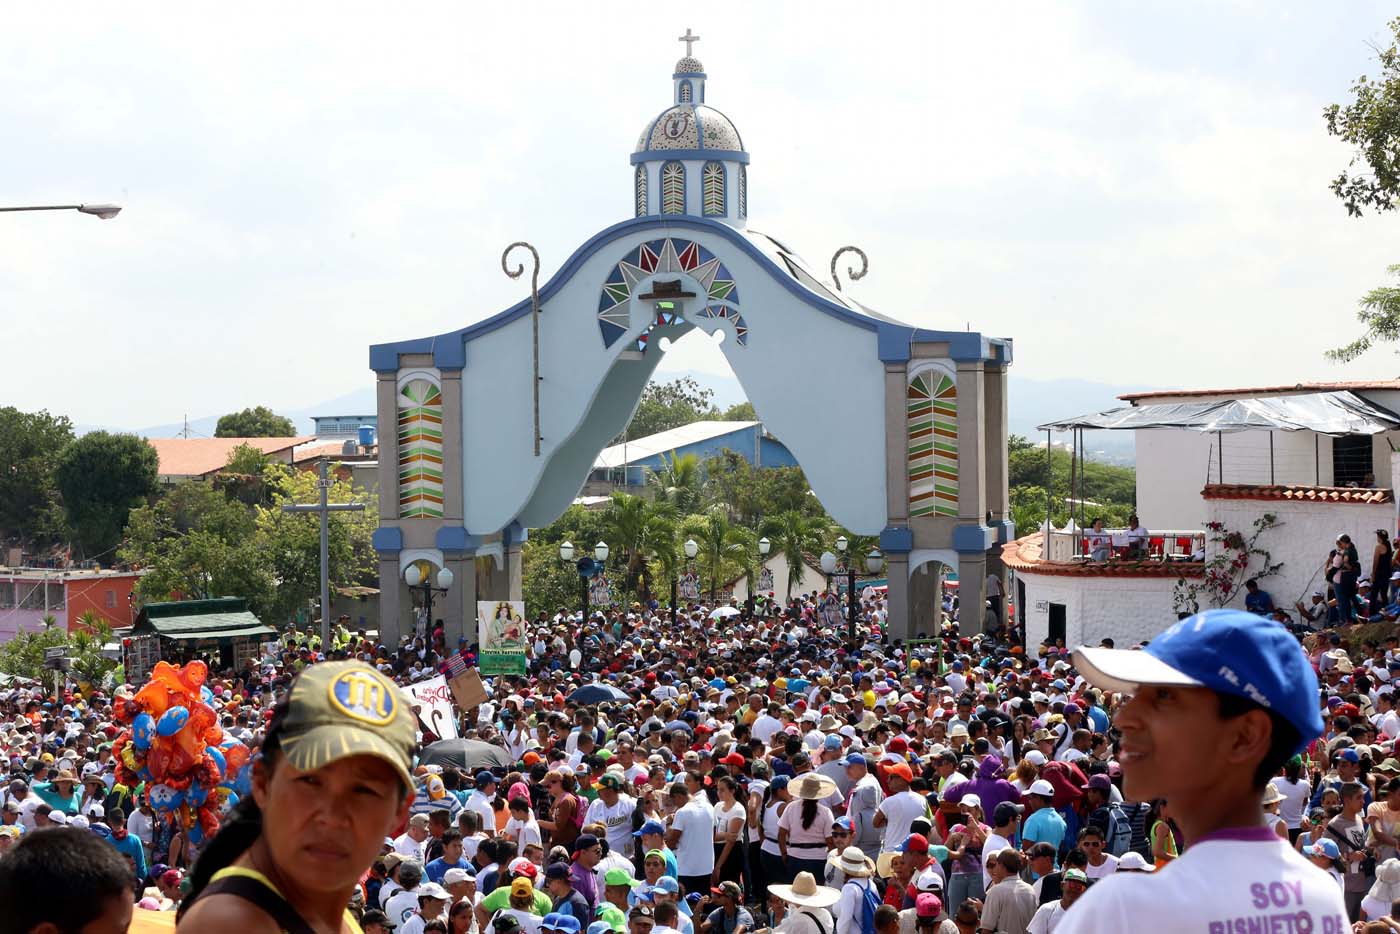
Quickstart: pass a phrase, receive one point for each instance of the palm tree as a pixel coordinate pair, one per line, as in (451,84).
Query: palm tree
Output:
(667,558)
(631,524)
(795,535)
(680,482)
(725,548)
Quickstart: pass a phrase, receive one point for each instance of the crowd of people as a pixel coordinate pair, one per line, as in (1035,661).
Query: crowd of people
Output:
(764,773)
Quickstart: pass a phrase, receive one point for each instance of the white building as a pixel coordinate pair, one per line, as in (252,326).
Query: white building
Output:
(1316,457)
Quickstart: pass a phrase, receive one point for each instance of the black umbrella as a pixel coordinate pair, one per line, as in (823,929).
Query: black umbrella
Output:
(469,755)
(597,694)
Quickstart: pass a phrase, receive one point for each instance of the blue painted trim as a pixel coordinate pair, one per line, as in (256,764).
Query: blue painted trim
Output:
(894,342)
(665,225)
(973,539)
(963,346)
(689,74)
(685,84)
(454,538)
(896,540)
(666,155)
(387,540)
(1002,350)
(450,355)
(1005,529)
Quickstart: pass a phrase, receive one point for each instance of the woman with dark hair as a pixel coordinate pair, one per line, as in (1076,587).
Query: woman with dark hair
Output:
(731,843)
(1381,562)
(1293,784)
(804,831)
(330,782)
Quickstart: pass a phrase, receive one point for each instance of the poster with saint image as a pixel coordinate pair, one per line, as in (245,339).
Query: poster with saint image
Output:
(689,586)
(598,592)
(765,580)
(501,636)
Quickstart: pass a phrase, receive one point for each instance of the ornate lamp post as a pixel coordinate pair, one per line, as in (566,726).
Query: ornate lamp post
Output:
(415,580)
(874,561)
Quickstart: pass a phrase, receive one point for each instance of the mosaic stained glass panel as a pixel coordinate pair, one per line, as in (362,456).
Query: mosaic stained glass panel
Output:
(671,254)
(420,450)
(933,444)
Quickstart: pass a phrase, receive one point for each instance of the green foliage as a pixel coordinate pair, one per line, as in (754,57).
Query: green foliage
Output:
(30,446)
(664,406)
(259,422)
(101,477)
(749,493)
(1113,488)
(202,541)
(246,475)
(1379,316)
(726,551)
(739,412)
(23,656)
(633,527)
(681,483)
(795,535)
(1371,123)
(552,584)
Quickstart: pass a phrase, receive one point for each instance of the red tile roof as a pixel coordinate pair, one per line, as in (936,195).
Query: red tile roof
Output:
(1298,494)
(1264,390)
(199,457)
(1025,554)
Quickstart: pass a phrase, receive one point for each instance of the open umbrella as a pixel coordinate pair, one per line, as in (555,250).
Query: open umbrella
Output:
(597,694)
(468,755)
(725,612)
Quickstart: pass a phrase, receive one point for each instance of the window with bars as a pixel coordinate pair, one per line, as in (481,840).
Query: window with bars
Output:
(743,191)
(686,92)
(673,188)
(713,189)
(641,190)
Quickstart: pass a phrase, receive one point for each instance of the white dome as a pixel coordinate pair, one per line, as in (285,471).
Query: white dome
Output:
(689,66)
(690,126)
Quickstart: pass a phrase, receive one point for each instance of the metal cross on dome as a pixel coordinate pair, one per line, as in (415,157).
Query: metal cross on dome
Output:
(688,39)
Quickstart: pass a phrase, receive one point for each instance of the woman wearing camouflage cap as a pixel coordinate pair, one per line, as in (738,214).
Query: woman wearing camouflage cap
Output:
(330,783)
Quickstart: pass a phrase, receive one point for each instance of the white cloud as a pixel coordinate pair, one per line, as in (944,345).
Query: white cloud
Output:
(1136,197)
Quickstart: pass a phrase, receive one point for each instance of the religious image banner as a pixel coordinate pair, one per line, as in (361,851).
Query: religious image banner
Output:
(501,636)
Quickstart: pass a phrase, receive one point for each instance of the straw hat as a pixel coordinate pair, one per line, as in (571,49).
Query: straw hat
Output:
(1391,765)
(814,786)
(65,775)
(1271,795)
(805,892)
(884,865)
(854,863)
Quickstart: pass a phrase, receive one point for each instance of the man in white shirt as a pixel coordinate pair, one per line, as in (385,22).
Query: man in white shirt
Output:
(481,797)
(692,838)
(1234,694)
(613,810)
(409,844)
(1049,917)
(1101,862)
(766,724)
(898,811)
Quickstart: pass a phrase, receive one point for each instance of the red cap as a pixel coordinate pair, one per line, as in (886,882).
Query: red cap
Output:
(916,843)
(902,770)
(899,744)
(734,759)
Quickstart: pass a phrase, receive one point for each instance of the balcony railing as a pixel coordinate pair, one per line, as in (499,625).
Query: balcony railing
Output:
(1069,546)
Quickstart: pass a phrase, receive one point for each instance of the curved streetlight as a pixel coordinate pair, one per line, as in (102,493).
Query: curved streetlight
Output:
(691,549)
(764,545)
(600,552)
(101,211)
(566,550)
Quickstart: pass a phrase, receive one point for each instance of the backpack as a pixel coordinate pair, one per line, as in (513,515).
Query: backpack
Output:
(870,901)
(580,811)
(1119,833)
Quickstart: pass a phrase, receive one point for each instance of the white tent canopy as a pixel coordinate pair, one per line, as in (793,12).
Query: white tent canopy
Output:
(1327,413)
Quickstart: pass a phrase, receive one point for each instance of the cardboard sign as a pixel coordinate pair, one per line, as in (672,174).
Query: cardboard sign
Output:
(467,690)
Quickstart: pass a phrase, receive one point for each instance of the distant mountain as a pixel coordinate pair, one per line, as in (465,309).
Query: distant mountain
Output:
(1032,402)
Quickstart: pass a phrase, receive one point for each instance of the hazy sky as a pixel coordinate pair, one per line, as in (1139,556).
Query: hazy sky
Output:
(1134,195)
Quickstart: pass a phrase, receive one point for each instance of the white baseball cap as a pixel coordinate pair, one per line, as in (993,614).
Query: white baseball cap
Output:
(1040,787)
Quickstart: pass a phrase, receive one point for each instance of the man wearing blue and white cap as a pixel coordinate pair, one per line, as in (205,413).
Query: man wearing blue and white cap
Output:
(1219,702)
(862,804)
(481,797)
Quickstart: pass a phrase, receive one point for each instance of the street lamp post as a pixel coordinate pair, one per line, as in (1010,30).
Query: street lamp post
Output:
(416,580)
(101,211)
(874,561)
(691,550)
(764,546)
(600,561)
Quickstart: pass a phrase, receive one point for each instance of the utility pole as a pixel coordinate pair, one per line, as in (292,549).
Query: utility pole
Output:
(325,508)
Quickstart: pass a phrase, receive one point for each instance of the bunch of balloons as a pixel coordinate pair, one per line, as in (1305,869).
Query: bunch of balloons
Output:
(173,742)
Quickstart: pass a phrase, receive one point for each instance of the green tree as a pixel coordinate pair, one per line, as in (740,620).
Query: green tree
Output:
(198,541)
(1371,124)
(259,422)
(680,483)
(726,550)
(245,476)
(549,583)
(292,541)
(23,656)
(795,535)
(102,477)
(1110,488)
(668,405)
(30,446)
(631,527)
(739,412)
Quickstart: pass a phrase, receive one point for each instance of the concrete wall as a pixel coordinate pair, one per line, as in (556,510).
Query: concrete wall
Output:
(809,581)
(1303,538)
(1173,466)
(1125,609)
